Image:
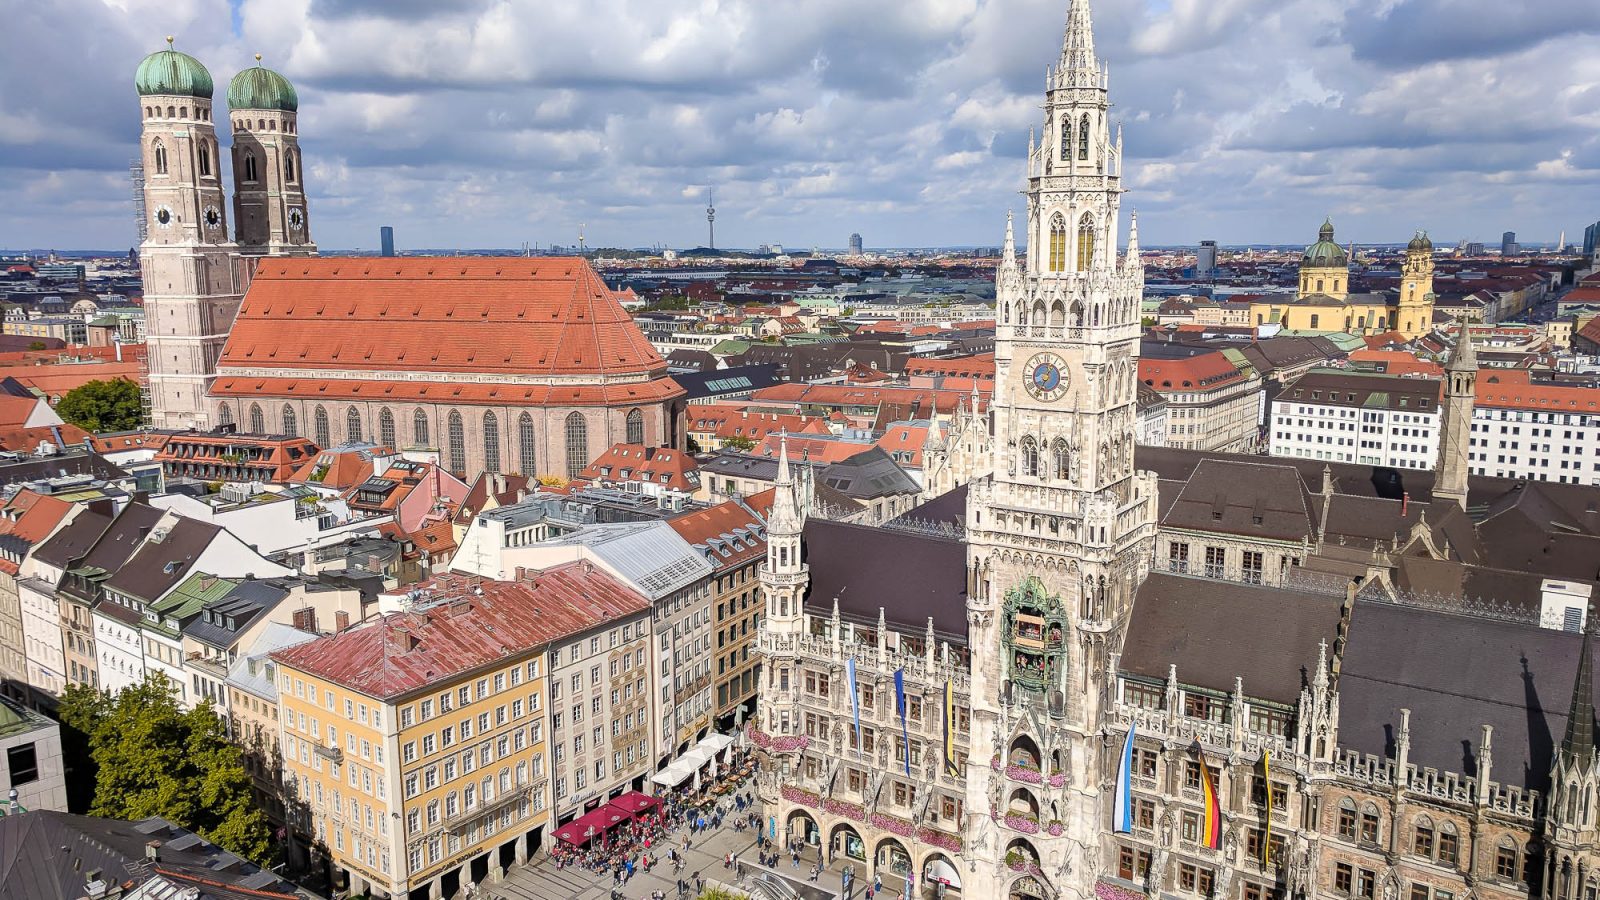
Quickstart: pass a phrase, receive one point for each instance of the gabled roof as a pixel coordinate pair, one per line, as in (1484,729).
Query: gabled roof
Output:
(911,575)
(662,466)
(728,534)
(1255,499)
(1193,623)
(164,560)
(465,623)
(523,316)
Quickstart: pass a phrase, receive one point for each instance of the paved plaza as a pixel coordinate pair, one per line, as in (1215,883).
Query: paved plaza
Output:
(542,880)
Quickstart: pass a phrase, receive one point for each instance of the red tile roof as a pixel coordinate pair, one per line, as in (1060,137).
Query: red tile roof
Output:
(840,395)
(723,421)
(1207,371)
(204,455)
(663,466)
(714,529)
(133,440)
(978,366)
(30,517)
(54,381)
(904,443)
(29,439)
(462,630)
(1397,362)
(811,449)
(1514,389)
(541,316)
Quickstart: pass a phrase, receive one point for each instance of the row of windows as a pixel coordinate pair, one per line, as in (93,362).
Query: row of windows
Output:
(577,435)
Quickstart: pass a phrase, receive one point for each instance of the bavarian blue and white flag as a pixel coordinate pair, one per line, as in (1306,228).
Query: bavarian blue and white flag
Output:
(855,699)
(1122,802)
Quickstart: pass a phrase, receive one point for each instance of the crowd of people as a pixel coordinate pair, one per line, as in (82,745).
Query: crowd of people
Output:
(637,846)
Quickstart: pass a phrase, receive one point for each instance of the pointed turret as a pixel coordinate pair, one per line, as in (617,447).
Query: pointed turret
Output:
(1078,66)
(1008,256)
(1132,257)
(1460,392)
(785,515)
(1464,358)
(1578,745)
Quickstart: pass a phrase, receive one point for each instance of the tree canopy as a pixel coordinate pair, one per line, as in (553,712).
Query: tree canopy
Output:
(155,759)
(101,406)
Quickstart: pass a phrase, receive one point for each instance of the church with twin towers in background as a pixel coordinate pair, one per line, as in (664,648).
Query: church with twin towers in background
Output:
(1088,668)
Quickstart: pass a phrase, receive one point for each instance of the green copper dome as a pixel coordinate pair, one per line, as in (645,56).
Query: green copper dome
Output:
(173,73)
(259,87)
(1325,252)
(1420,242)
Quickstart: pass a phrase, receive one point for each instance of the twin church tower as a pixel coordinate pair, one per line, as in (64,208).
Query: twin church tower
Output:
(194,271)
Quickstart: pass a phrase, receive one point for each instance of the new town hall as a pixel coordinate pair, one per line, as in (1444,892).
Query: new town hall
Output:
(1382,670)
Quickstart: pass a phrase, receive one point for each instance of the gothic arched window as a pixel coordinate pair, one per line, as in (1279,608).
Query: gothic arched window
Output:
(159,153)
(258,422)
(205,158)
(491,442)
(635,427)
(1066,140)
(1083,137)
(1058,243)
(386,428)
(419,427)
(225,415)
(1085,242)
(249,166)
(290,427)
(319,425)
(525,445)
(457,437)
(577,444)
(1061,459)
(352,424)
(1030,456)
(288,166)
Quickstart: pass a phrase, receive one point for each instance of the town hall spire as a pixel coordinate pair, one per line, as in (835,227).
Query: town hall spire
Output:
(1078,66)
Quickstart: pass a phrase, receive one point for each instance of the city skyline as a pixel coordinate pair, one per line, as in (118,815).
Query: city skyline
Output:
(909,127)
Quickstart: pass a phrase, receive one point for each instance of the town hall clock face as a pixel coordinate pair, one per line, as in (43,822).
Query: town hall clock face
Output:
(1047,377)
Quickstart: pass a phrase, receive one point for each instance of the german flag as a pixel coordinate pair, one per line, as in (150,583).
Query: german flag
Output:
(1211,826)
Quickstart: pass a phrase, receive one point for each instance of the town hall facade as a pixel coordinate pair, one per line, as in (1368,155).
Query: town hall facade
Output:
(1359,658)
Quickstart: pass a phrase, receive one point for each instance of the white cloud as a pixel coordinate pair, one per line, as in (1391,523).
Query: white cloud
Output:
(491,122)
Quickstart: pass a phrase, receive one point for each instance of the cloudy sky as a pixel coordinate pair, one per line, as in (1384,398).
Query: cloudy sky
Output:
(472,123)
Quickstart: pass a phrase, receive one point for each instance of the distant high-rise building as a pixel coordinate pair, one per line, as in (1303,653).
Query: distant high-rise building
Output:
(386,239)
(855,244)
(1474,248)
(1205,260)
(1508,244)
(1591,239)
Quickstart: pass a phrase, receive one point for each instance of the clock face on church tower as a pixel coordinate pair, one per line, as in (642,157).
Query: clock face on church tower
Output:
(297,220)
(1046,377)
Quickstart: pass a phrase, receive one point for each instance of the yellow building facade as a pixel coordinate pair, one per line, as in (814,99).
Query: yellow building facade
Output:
(415,746)
(1323,301)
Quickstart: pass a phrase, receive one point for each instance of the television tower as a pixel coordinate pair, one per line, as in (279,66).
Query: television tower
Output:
(711,222)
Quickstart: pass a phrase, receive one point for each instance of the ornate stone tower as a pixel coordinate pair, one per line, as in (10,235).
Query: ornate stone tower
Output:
(1416,288)
(1060,533)
(1325,267)
(190,269)
(1571,824)
(1455,424)
(269,198)
(785,575)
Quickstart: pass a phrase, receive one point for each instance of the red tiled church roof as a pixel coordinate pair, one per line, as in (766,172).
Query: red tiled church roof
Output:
(538,316)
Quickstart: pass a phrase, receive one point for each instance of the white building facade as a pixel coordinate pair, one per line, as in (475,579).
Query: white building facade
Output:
(1369,419)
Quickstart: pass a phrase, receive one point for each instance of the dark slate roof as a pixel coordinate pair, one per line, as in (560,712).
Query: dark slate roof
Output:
(733,380)
(949,508)
(1258,499)
(75,539)
(244,604)
(1369,481)
(161,564)
(1193,623)
(48,855)
(74,462)
(868,475)
(1456,673)
(912,576)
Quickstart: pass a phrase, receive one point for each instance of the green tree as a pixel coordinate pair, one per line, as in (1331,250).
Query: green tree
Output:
(739,442)
(101,406)
(36,345)
(155,759)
